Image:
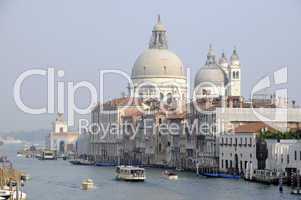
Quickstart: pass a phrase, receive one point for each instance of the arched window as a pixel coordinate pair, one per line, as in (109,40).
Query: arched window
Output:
(237,75)
(233,75)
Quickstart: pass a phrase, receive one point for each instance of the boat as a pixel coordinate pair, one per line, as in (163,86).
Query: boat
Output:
(210,175)
(130,173)
(25,177)
(296,191)
(229,176)
(220,175)
(5,194)
(170,175)
(82,162)
(266,177)
(48,155)
(105,164)
(180,169)
(87,184)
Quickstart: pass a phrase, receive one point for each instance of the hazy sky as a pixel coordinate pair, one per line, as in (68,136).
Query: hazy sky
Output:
(82,37)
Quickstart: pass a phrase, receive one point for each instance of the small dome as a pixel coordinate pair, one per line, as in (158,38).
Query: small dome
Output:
(211,74)
(158,63)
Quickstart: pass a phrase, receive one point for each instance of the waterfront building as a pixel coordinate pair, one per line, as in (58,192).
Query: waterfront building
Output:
(284,155)
(107,133)
(241,149)
(60,139)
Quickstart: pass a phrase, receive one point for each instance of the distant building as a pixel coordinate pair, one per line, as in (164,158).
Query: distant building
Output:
(238,150)
(60,139)
(284,155)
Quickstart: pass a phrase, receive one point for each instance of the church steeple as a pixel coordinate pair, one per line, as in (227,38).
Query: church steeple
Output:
(159,38)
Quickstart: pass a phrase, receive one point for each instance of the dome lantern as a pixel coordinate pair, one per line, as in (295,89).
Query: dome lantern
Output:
(159,38)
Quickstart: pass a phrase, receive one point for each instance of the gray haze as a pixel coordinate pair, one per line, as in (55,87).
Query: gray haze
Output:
(82,37)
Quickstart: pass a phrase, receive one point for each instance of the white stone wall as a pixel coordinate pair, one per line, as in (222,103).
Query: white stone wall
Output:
(241,144)
(284,154)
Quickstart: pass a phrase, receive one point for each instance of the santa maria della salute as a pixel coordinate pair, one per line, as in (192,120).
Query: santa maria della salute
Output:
(159,96)
(158,73)
(184,104)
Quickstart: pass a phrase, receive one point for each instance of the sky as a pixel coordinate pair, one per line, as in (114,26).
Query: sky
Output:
(83,37)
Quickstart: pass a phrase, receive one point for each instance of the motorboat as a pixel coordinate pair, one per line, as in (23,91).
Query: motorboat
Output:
(25,177)
(87,184)
(170,175)
(5,194)
(130,173)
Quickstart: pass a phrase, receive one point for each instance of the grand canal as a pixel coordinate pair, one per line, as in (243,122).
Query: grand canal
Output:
(59,180)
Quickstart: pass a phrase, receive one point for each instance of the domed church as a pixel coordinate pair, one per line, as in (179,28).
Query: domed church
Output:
(218,79)
(159,73)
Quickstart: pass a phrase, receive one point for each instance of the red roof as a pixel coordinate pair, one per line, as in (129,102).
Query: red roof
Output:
(253,127)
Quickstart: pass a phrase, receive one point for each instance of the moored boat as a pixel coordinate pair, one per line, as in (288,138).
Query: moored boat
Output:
(170,175)
(130,173)
(82,162)
(210,175)
(105,164)
(220,175)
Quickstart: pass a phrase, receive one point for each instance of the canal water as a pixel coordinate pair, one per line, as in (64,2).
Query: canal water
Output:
(59,180)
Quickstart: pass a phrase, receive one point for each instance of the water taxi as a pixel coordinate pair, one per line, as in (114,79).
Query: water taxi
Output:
(87,184)
(266,176)
(47,155)
(130,173)
(170,175)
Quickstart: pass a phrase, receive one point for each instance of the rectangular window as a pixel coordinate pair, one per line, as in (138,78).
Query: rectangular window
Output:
(295,155)
(222,164)
(226,164)
(230,164)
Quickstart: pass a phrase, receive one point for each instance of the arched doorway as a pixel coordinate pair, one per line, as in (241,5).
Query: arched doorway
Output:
(236,163)
(62,147)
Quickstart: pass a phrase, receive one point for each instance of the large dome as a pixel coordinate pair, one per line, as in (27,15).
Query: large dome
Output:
(211,74)
(158,63)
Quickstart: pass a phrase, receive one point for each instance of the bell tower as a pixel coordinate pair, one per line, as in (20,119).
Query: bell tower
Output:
(234,75)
